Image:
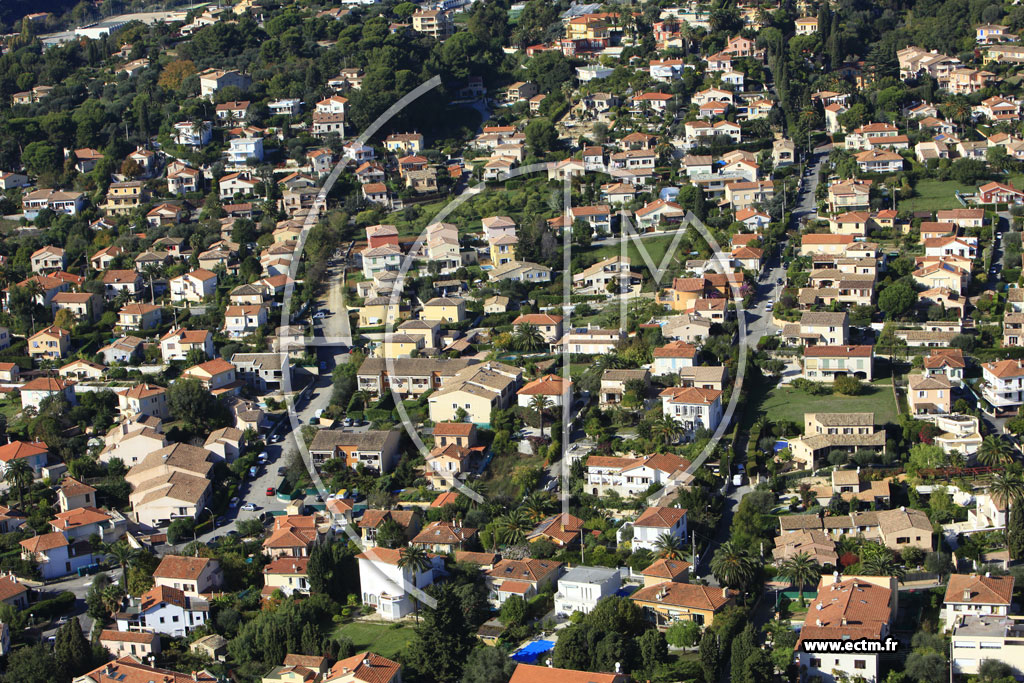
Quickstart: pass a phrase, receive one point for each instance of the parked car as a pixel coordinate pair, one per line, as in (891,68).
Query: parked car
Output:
(281,471)
(233,503)
(270,490)
(250,507)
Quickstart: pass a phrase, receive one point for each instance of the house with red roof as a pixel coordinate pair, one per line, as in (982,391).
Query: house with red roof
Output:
(556,389)
(163,610)
(655,522)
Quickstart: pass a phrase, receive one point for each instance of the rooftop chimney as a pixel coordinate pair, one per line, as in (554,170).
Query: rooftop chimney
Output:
(967,595)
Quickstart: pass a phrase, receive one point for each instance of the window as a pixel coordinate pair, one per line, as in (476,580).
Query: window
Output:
(815,662)
(860,664)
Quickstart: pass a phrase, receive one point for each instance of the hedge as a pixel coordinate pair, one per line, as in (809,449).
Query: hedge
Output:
(47,609)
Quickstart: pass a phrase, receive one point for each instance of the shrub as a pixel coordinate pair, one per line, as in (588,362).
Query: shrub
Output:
(847,385)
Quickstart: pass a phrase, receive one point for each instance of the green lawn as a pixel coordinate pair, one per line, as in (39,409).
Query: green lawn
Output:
(655,246)
(787,403)
(932,195)
(383,639)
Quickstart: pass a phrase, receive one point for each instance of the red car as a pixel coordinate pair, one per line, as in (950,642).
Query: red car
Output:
(270,490)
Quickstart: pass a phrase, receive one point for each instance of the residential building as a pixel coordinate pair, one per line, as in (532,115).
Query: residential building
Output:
(525,578)
(164,610)
(823,363)
(581,588)
(477,389)
(194,576)
(654,522)
(976,596)
(383,583)
(375,449)
(668,602)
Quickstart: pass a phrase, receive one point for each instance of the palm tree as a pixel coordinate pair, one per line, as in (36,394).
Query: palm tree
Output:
(669,546)
(19,475)
(732,565)
(994,451)
(527,337)
(124,555)
(415,559)
(877,560)
(665,429)
(513,527)
(1006,489)
(536,506)
(538,404)
(800,570)
(112,596)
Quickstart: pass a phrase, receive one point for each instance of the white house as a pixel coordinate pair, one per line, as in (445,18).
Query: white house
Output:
(384,585)
(693,407)
(164,610)
(630,476)
(1003,383)
(655,521)
(193,133)
(558,391)
(854,608)
(980,596)
(194,286)
(242,149)
(581,588)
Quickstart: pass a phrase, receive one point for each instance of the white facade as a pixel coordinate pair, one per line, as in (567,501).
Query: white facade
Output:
(580,589)
(383,585)
(670,366)
(240,150)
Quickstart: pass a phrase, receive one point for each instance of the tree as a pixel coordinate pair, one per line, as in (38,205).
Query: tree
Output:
(995,451)
(732,565)
(847,385)
(800,570)
(539,404)
(541,136)
(32,664)
(71,650)
(443,640)
(527,337)
(41,158)
(487,664)
(710,656)
(513,611)
(124,555)
(653,651)
(415,559)
(1015,532)
(19,475)
(174,74)
(896,299)
(683,634)
(742,647)
(669,546)
(1006,489)
(994,671)
(512,527)
(190,402)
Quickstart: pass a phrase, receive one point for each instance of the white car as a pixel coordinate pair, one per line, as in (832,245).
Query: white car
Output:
(250,507)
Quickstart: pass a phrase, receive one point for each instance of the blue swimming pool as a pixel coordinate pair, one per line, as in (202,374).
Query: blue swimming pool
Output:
(531,652)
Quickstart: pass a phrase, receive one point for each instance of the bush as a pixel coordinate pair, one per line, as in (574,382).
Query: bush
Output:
(847,385)
(60,604)
(812,388)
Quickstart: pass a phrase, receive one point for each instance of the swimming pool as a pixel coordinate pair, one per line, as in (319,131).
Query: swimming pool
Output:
(531,652)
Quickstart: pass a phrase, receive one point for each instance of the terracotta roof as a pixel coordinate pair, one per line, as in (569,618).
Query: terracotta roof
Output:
(666,569)
(181,567)
(444,533)
(113,636)
(826,351)
(676,349)
(850,608)
(79,517)
(40,544)
(10,588)
(453,428)
(979,590)
(548,385)
(372,519)
(528,570)
(532,673)
(287,565)
(665,517)
(1005,368)
(366,666)
(130,670)
(21,449)
(682,595)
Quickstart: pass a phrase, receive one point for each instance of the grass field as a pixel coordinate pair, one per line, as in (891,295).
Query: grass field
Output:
(787,403)
(933,195)
(655,246)
(381,638)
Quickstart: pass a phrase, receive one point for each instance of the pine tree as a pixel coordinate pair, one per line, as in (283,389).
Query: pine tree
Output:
(742,647)
(443,640)
(1015,532)
(710,656)
(311,641)
(71,650)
